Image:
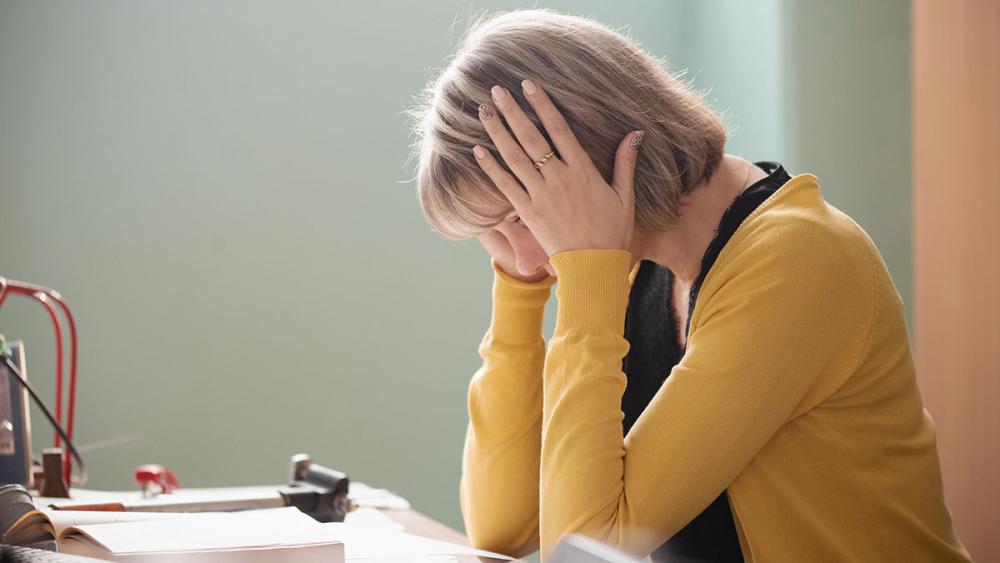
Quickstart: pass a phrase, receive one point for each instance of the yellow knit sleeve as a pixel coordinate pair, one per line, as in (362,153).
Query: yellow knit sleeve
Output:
(499,484)
(774,315)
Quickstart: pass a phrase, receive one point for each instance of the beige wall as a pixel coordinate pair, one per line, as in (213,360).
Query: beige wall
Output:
(956,196)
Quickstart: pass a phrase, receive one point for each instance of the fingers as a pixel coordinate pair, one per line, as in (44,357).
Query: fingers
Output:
(507,184)
(512,153)
(624,170)
(531,140)
(555,124)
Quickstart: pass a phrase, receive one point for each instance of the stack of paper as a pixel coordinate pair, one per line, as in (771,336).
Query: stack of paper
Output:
(268,534)
(276,534)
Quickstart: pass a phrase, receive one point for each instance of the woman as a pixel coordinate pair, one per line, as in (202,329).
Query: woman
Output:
(730,375)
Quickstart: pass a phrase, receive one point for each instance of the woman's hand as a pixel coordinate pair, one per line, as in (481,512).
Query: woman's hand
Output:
(500,249)
(566,203)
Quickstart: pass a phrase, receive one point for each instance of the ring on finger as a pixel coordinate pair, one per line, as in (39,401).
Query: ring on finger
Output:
(541,161)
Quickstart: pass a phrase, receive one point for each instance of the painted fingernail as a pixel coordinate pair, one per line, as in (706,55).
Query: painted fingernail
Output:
(637,139)
(498,93)
(528,86)
(485,111)
(479,151)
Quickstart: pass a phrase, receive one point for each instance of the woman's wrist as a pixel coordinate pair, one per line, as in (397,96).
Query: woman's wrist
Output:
(593,290)
(518,307)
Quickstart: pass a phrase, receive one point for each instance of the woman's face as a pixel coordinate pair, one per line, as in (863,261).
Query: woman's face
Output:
(528,255)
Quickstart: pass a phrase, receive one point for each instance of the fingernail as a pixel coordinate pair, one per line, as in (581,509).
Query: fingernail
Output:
(479,151)
(485,111)
(637,139)
(528,86)
(498,93)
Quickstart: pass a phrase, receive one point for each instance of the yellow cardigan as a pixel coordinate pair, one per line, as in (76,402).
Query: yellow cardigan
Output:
(796,393)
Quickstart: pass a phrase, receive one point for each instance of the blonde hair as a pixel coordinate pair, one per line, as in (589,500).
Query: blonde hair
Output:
(604,84)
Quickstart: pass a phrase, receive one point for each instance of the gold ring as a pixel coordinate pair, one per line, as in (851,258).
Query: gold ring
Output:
(541,161)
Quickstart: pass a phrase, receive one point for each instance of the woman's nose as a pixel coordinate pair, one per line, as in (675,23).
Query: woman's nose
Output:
(529,262)
(529,255)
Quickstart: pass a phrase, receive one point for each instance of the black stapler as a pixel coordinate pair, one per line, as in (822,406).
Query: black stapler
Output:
(318,491)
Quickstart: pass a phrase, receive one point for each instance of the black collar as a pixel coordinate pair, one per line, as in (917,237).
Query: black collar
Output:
(738,211)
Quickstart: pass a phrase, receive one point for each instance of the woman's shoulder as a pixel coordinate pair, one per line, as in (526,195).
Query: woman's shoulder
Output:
(797,239)
(797,224)
(796,261)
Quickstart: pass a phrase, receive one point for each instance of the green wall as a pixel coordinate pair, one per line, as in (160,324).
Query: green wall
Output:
(219,190)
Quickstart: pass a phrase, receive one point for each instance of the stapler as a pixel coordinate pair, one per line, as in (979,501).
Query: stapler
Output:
(318,491)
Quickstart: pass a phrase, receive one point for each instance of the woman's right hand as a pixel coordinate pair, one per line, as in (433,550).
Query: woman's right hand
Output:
(497,245)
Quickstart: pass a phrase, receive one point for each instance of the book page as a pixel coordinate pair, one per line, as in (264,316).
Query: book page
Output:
(63,519)
(202,532)
(48,524)
(314,553)
(32,527)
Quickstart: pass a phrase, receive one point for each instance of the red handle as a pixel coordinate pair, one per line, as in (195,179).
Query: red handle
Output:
(155,474)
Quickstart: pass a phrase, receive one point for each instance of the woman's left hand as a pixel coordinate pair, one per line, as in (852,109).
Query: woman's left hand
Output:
(566,204)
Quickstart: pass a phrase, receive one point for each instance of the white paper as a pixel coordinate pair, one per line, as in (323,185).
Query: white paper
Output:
(368,535)
(207,531)
(363,543)
(372,518)
(62,519)
(363,495)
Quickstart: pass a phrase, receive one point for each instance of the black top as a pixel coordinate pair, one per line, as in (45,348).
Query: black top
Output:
(654,351)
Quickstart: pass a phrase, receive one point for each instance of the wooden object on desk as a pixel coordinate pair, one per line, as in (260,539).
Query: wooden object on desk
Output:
(53,484)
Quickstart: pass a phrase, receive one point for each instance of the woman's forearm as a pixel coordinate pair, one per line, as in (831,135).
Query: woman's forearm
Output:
(756,349)
(500,466)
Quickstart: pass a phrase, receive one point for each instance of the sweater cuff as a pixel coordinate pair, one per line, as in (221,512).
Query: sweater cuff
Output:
(518,307)
(593,290)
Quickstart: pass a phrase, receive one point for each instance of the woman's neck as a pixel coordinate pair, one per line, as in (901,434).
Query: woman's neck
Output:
(680,249)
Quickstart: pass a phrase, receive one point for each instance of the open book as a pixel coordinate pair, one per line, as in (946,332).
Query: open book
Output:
(274,534)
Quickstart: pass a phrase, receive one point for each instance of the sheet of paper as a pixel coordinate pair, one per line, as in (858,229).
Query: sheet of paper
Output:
(363,495)
(372,518)
(363,543)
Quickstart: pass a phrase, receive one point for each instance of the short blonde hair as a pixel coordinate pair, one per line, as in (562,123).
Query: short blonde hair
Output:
(604,84)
